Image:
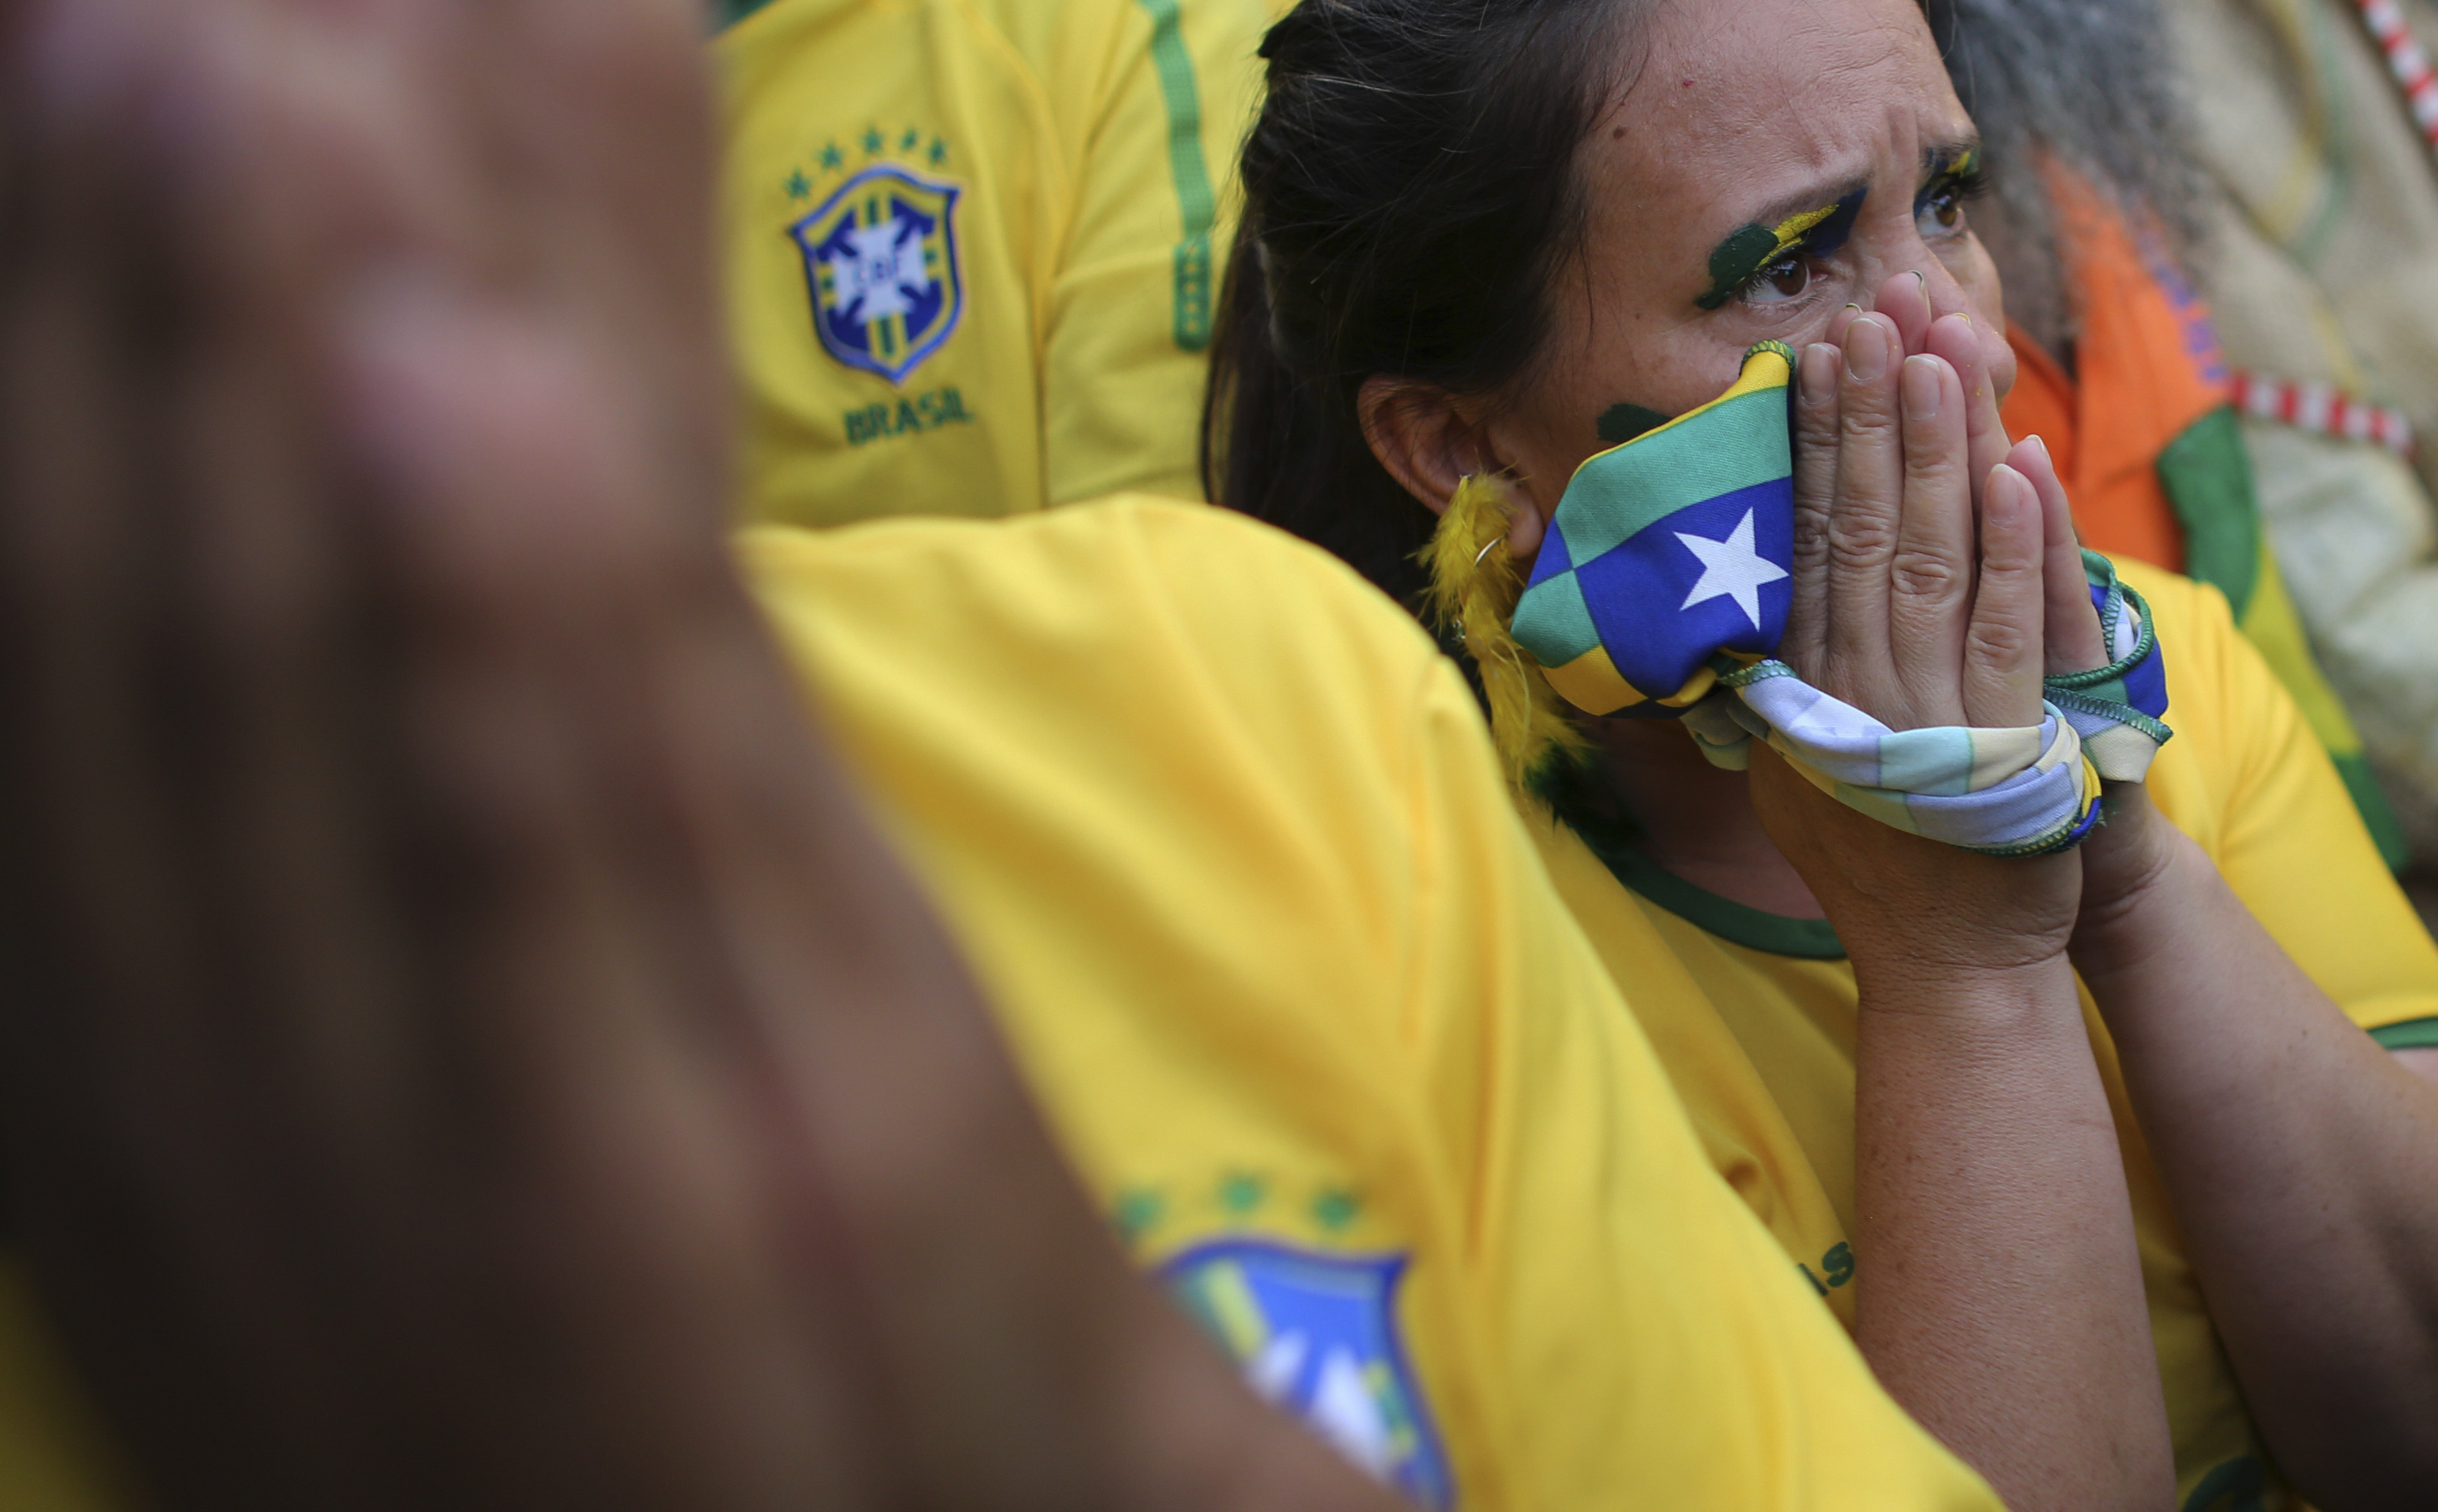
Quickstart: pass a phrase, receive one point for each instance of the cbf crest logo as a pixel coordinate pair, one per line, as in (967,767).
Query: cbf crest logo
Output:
(881,257)
(1317,1334)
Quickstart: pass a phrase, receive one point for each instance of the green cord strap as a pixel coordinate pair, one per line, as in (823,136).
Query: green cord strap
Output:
(1196,205)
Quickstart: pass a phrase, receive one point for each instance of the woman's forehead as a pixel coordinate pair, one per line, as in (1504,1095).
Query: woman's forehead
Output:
(1742,109)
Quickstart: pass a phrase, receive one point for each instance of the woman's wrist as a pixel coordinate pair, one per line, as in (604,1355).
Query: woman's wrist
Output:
(2130,864)
(1998,991)
(1968,920)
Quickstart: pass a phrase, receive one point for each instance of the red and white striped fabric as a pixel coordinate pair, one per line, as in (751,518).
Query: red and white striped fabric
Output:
(2406,62)
(2321,408)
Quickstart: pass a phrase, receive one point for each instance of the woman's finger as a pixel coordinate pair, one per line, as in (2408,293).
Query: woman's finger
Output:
(2003,655)
(1905,300)
(1815,485)
(1930,579)
(2073,639)
(1863,515)
(1958,342)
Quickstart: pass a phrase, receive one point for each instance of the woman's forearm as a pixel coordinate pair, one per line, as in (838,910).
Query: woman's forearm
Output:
(2000,1296)
(2302,1161)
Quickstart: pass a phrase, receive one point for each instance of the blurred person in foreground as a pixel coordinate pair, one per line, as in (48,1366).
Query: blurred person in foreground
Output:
(474,1042)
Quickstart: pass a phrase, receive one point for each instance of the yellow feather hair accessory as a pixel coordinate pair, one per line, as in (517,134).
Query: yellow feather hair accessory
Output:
(1474,585)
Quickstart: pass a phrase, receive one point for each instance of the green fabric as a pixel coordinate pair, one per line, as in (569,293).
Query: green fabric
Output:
(1735,923)
(1196,205)
(726,13)
(2207,476)
(2413,1035)
(1558,620)
(2377,817)
(2238,1485)
(2206,473)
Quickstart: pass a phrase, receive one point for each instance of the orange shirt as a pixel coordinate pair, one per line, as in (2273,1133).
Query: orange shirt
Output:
(2147,366)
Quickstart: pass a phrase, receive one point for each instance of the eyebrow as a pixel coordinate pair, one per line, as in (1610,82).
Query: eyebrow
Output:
(1751,246)
(1786,206)
(1949,156)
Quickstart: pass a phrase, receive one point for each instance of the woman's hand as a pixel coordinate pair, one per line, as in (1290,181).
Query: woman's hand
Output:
(1904,609)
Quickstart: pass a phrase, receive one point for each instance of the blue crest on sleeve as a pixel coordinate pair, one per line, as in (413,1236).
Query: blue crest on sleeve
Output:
(1317,1334)
(880,256)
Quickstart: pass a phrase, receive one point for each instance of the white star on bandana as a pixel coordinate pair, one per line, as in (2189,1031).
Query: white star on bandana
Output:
(1731,570)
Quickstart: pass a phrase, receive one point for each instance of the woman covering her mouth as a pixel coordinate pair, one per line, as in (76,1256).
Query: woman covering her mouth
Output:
(1518,294)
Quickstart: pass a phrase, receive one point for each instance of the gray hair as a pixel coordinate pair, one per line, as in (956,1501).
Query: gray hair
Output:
(2091,85)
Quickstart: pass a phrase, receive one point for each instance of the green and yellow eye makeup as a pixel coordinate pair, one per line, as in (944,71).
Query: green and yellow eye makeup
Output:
(1954,177)
(1752,247)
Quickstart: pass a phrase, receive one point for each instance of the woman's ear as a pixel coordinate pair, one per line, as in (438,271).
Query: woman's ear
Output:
(1421,437)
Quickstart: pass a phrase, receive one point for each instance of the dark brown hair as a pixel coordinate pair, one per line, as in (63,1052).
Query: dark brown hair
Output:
(1410,197)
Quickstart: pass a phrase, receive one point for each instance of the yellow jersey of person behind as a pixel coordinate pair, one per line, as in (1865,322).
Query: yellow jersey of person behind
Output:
(973,246)
(1222,836)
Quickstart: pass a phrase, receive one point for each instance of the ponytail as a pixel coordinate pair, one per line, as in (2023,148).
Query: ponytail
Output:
(1410,194)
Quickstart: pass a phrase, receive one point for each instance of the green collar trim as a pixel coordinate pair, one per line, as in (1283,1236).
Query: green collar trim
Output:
(2413,1035)
(726,13)
(1736,924)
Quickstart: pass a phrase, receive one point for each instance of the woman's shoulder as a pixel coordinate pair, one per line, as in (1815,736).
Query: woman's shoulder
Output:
(2244,775)
(2233,722)
(2186,611)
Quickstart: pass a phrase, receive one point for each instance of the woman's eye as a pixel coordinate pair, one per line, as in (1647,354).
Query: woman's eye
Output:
(1782,280)
(1942,214)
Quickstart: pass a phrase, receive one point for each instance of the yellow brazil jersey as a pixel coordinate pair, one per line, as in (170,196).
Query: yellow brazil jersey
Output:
(972,246)
(1222,834)
(1754,1014)
(51,1455)
(1224,838)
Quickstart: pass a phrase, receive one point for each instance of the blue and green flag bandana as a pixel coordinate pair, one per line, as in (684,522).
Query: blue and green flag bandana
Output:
(1669,550)
(1663,588)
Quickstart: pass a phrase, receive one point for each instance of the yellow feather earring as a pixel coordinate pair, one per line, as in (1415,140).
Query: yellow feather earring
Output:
(1475,583)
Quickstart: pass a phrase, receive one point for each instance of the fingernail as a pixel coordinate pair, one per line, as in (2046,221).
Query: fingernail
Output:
(1921,278)
(1850,305)
(1921,388)
(2045,452)
(2000,498)
(1866,351)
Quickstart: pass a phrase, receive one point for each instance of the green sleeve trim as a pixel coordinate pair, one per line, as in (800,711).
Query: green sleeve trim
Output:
(2237,1485)
(726,13)
(1736,924)
(1198,207)
(2207,476)
(2413,1035)
(2385,833)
